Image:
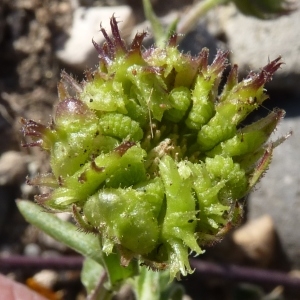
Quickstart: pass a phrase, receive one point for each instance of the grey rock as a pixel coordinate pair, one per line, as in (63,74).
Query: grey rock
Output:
(253,42)
(278,193)
(78,50)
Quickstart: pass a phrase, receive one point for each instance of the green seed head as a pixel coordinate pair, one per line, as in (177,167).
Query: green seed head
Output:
(148,154)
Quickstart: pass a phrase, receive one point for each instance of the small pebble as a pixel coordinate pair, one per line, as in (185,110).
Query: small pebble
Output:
(257,239)
(46,278)
(13,167)
(32,250)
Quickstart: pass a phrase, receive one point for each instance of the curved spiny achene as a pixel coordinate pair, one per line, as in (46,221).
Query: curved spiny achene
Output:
(150,152)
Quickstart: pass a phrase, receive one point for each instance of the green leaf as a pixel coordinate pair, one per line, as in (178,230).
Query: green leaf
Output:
(116,272)
(91,274)
(264,9)
(86,244)
(64,232)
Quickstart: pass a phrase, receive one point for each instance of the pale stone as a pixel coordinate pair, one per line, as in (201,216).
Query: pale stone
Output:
(13,167)
(78,51)
(257,238)
(46,278)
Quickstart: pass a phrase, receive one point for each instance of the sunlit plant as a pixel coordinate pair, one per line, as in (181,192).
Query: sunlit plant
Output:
(150,152)
(147,154)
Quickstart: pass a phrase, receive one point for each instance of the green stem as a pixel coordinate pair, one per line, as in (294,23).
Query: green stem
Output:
(157,28)
(188,21)
(100,292)
(151,285)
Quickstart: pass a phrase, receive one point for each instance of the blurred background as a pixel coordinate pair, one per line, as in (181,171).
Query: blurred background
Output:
(39,38)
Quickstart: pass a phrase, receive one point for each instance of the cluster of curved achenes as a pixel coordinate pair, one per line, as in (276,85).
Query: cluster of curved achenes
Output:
(148,154)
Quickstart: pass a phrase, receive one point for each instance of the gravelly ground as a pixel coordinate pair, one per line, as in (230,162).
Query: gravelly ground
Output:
(29,32)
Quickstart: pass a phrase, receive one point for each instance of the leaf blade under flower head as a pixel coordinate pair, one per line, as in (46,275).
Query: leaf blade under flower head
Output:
(264,9)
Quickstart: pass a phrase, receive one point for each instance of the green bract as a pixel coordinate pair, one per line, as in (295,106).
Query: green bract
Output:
(147,153)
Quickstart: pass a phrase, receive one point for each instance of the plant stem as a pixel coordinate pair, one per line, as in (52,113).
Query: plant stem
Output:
(244,274)
(202,269)
(15,262)
(157,28)
(188,21)
(100,292)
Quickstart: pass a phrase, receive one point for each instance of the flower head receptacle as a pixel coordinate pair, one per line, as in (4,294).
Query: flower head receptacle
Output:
(149,154)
